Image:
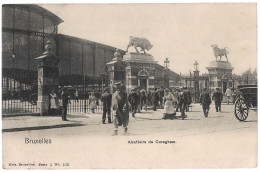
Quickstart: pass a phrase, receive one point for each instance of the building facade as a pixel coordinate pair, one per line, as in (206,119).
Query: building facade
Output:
(25,32)
(220,74)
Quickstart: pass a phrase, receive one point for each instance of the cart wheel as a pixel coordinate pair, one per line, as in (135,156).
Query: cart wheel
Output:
(241,109)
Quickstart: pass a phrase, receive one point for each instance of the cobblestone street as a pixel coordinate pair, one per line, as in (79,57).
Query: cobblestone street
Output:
(196,138)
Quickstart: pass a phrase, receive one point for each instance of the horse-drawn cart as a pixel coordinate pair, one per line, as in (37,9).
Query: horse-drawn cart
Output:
(247,100)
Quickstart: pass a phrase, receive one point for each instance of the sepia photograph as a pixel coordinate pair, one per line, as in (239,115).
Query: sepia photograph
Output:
(129,85)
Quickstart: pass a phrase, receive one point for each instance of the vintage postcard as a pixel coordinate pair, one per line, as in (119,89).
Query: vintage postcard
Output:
(129,86)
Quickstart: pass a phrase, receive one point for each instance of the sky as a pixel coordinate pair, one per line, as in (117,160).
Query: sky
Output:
(182,32)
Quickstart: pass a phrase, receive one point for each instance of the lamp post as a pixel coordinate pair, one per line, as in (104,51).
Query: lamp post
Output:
(128,82)
(190,79)
(13,57)
(102,81)
(166,77)
(166,63)
(196,64)
(196,81)
(13,74)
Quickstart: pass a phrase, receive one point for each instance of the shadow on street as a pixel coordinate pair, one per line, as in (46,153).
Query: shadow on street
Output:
(41,127)
(250,121)
(146,119)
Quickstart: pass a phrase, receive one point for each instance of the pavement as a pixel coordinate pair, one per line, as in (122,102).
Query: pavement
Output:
(218,141)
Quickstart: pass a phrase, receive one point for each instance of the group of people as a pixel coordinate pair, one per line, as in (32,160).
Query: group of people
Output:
(169,100)
(172,101)
(55,106)
(217,96)
(119,102)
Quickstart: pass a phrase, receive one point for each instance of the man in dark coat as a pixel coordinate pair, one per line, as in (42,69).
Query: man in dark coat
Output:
(138,100)
(183,102)
(133,100)
(143,96)
(178,94)
(65,101)
(217,97)
(106,98)
(189,100)
(120,108)
(205,101)
(155,99)
(161,95)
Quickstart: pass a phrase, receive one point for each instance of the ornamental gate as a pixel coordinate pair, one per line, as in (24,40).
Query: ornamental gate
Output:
(80,88)
(20,92)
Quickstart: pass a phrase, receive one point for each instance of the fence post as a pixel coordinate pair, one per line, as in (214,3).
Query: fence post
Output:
(84,88)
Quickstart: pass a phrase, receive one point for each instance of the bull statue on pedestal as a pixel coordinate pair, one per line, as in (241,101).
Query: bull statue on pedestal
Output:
(143,43)
(219,52)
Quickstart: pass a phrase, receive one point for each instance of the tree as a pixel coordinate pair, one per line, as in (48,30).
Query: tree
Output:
(247,77)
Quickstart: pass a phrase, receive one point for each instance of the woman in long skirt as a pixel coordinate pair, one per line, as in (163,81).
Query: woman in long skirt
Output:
(169,100)
(53,102)
(92,102)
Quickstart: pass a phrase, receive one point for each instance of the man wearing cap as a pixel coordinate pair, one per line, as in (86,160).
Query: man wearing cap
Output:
(183,102)
(133,100)
(65,101)
(217,97)
(120,108)
(106,98)
(161,96)
(138,100)
(155,98)
(205,101)
(143,96)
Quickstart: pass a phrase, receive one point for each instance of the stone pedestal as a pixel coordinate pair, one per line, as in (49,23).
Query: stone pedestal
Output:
(48,79)
(116,71)
(140,71)
(220,73)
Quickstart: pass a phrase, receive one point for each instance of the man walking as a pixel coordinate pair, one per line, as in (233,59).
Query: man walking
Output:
(217,97)
(183,102)
(138,100)
(143,95)
(155,99)
(133,100)
(205,101)
(228,94)
(161,95)
(106,98)
(189,100)
(120,108)
(65,101)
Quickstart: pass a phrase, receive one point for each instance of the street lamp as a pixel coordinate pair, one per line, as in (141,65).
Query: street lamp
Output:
(166,63)
(196,64)
(13,57)
(166,79)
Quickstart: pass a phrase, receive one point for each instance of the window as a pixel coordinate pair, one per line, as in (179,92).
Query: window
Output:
(48,26)
(7,17)
(21,19)
(36,22)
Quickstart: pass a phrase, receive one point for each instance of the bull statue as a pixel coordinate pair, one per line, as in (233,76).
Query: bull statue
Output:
(219,52)
(143,43)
